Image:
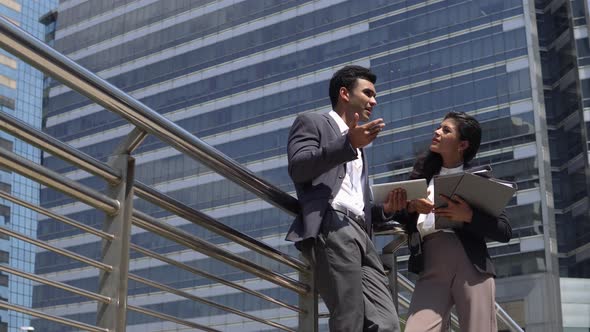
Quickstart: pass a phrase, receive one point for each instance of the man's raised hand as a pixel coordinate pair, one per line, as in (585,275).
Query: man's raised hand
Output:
(361,136)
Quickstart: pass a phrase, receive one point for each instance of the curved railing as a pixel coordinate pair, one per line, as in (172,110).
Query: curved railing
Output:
(117,203)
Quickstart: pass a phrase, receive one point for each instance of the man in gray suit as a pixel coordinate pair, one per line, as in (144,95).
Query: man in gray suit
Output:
(329,170)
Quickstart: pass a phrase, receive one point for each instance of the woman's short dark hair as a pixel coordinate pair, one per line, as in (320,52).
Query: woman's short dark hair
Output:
(430,163)
(346,77)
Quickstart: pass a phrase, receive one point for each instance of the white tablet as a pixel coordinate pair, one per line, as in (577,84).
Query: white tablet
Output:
(414,189)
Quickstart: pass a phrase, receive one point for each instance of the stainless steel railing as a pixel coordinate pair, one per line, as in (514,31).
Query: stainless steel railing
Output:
(117,203)
(93,166)
(36,53)
(144,221)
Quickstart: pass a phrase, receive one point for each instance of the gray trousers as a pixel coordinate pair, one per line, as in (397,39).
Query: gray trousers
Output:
(449,278)
(350,278)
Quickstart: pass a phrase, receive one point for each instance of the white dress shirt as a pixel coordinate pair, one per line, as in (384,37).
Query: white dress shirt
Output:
(426,221)
(350,195)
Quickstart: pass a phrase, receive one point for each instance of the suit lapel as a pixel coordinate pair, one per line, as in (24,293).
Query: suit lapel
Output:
(335,130)
(365,179)
(332,124)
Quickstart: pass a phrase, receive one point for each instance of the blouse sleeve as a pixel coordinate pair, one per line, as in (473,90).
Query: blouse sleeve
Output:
(406,218)
(493,228)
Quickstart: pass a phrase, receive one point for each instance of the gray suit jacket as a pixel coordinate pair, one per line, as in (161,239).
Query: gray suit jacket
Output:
(318,154)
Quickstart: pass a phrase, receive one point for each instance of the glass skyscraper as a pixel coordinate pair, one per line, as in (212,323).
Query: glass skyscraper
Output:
(21,88)
(236,73)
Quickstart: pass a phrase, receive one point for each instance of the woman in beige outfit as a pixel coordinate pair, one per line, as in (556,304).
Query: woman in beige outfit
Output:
(453,264)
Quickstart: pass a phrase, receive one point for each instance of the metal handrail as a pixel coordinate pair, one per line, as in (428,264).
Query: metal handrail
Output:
(170,318)
(507,320)
(146,121)
(86,162)
(145,189)
(35,313)
(201,219)
(236,261)
(210,276)
(131,142)
(57,148)
(43,57)
(147,222)
(50,214)
(57,181)
(57,284)
(64,252)
(189,296)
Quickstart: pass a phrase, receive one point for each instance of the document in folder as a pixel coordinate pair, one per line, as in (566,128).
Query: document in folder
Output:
(487,194)
(414,189)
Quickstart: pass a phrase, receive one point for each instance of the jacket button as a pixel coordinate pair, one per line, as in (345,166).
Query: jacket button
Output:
(341,176)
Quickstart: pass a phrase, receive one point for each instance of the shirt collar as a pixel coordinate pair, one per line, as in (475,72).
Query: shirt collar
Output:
(341,124)
(453,170)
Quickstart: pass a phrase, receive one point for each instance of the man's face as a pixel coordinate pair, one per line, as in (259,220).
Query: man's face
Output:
(361,99)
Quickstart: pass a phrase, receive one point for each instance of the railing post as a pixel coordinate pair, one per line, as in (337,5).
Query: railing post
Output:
(116,252)
(389,258)
(392,276)
(308,320)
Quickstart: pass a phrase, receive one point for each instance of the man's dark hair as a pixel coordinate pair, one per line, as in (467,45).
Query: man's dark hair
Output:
(346,77)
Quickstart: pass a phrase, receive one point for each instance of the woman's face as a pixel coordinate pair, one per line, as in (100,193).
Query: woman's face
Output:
(447,142)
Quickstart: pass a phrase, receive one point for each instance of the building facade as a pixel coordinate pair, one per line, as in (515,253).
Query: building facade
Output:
(236,73)
(21,88)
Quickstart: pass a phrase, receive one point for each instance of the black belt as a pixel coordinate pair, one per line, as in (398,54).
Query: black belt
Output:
(360,220)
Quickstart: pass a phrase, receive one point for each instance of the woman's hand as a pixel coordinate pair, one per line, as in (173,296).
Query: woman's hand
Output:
(396,201)
(421,205)
(457,209)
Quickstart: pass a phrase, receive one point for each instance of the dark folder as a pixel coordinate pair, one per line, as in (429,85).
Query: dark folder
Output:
(487,194)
